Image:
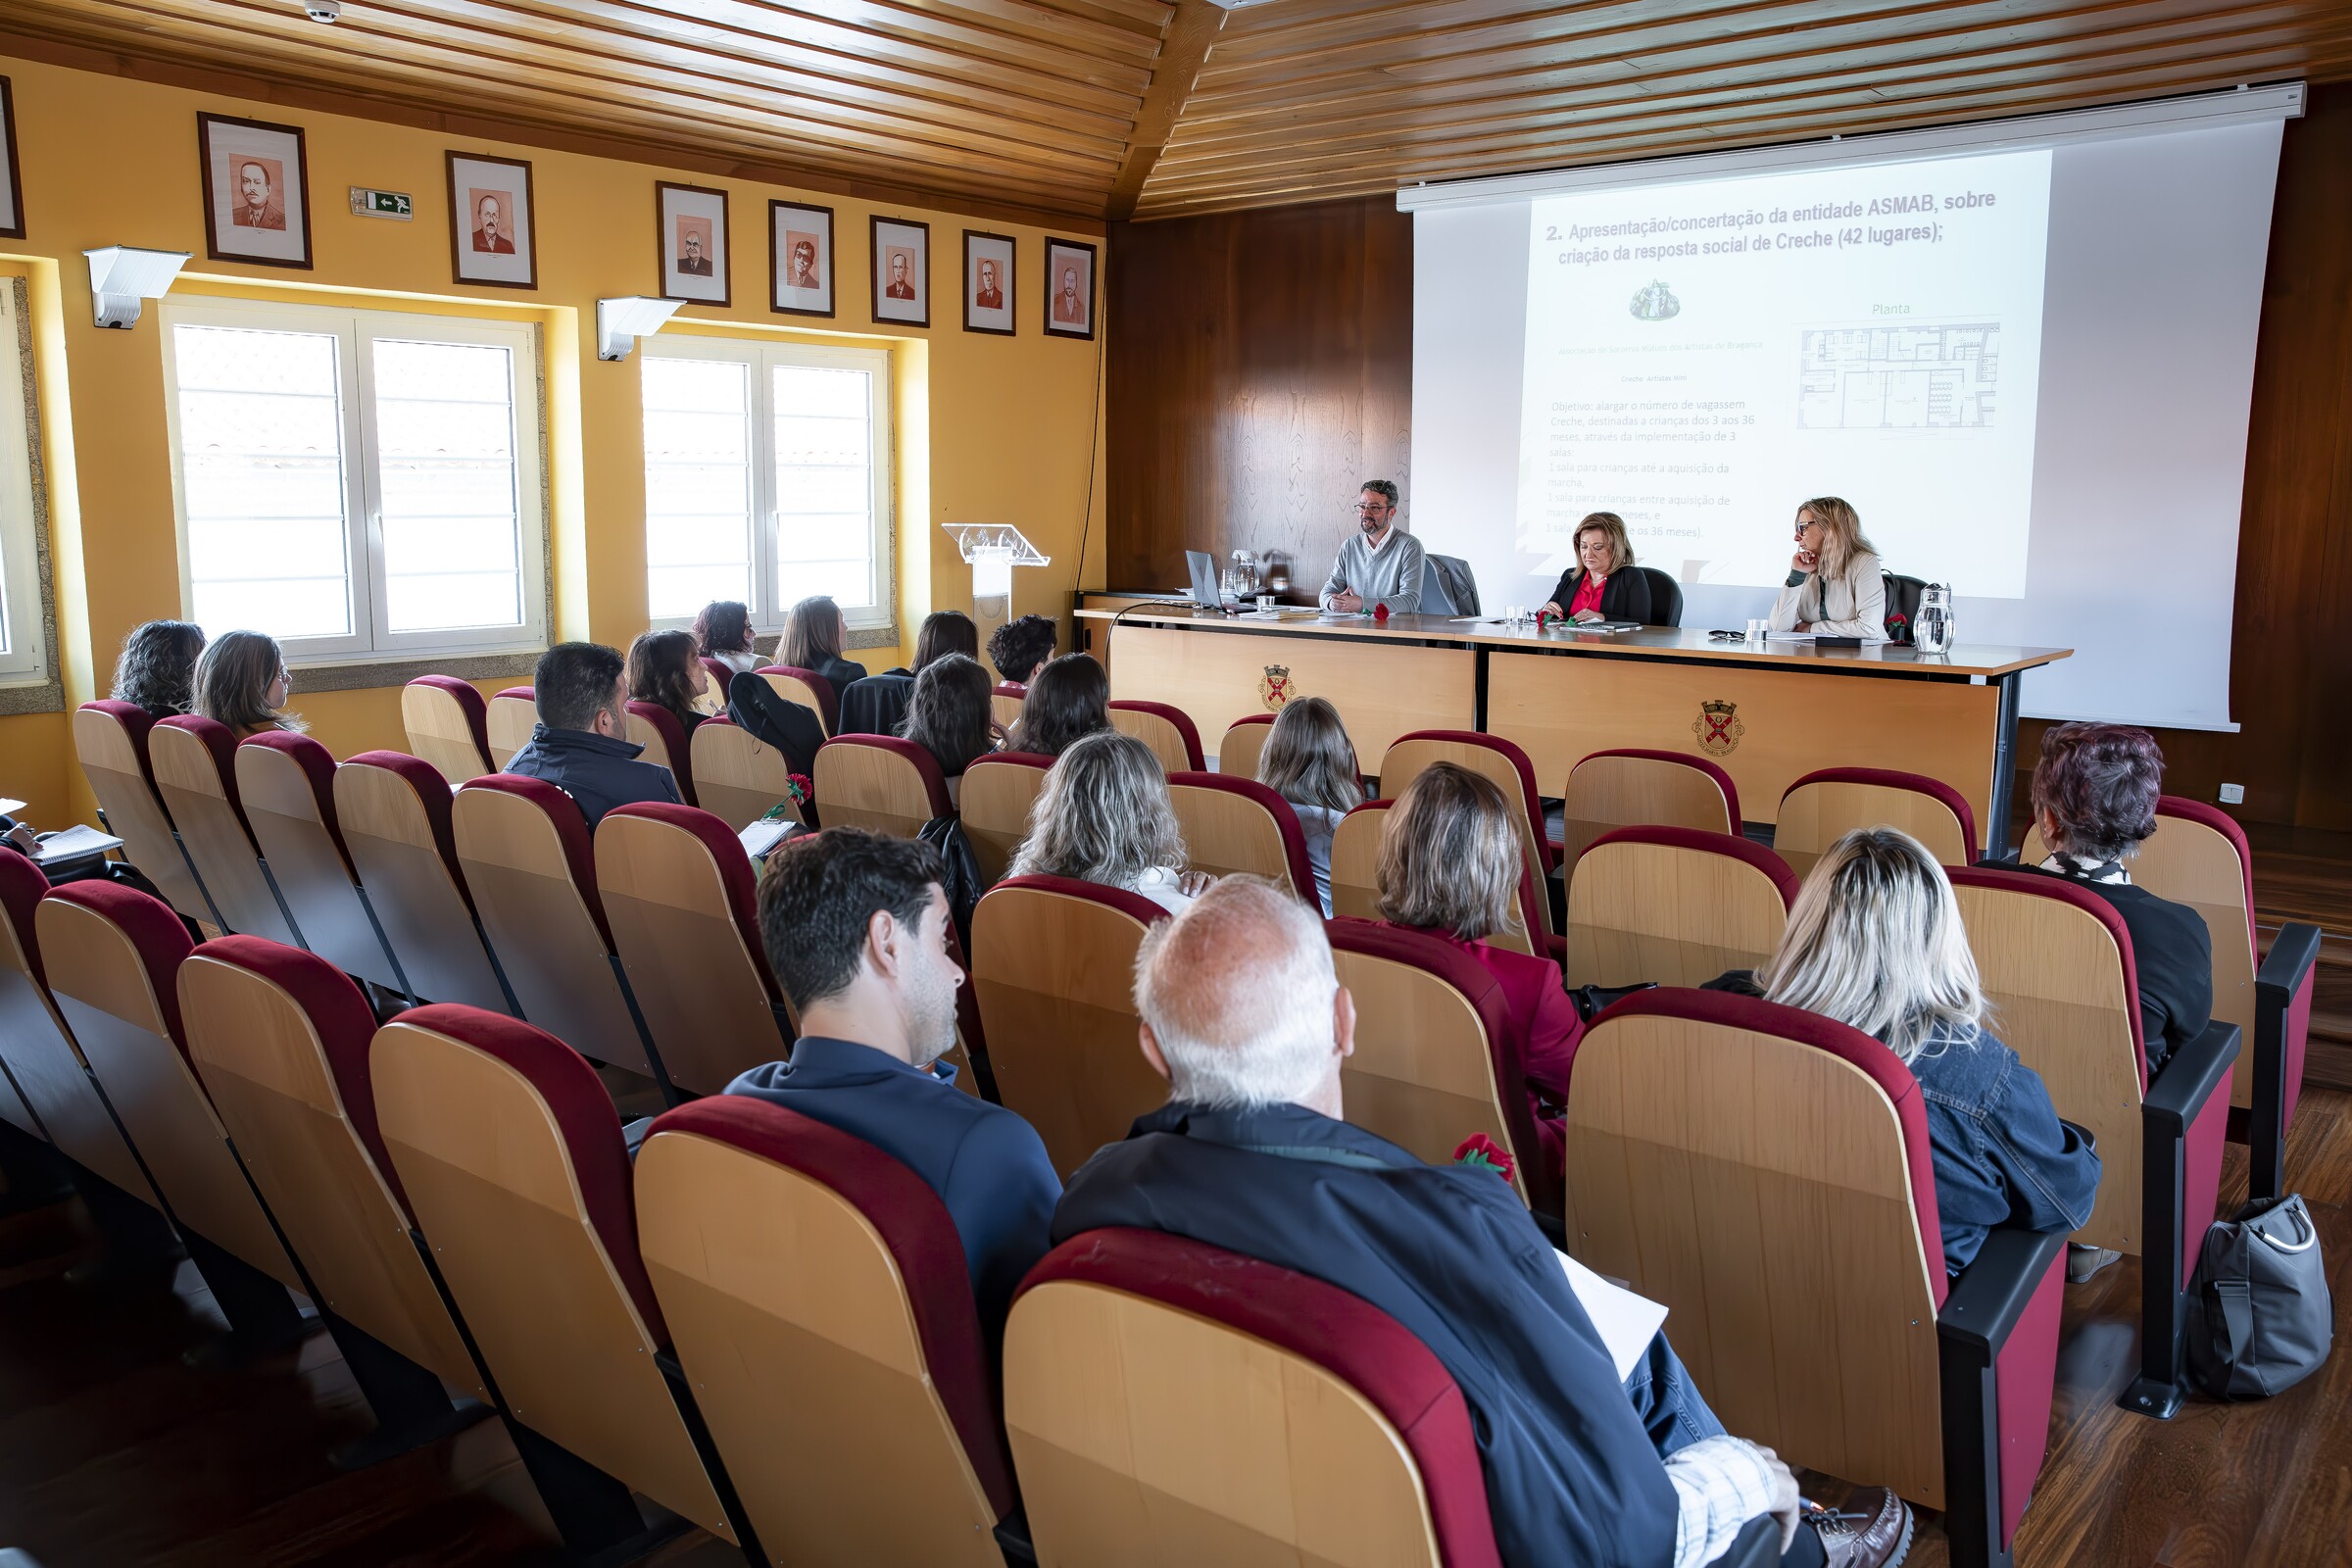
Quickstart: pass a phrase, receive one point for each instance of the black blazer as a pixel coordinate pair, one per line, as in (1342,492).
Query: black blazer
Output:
(1624,597)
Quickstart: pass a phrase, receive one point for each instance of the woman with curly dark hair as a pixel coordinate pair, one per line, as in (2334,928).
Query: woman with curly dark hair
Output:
(665,670)
(157,668)
(723,631)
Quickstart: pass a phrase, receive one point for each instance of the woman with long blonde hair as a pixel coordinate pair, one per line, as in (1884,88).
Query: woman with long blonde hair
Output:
(1104,815)
(1834,586)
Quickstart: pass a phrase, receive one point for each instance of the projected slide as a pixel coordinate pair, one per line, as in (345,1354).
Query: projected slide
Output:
(1702,356)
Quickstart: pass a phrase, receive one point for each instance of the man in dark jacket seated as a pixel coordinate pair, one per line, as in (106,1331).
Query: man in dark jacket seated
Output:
(1245,1019)
(855,927)
(581,742)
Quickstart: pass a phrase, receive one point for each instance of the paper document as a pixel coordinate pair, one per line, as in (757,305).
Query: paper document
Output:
(1627,1322)
(8,808)
(73,844)
(765,835)
(1789,636)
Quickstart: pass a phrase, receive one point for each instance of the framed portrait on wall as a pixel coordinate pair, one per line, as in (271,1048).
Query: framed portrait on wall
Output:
(12,182)
(988,282)
(902,272)
(1069,288)
(801,247)
(257,191)
(493,234)
(691,222)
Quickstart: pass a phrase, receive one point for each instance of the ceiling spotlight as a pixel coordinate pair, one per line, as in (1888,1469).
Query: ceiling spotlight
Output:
(322,10)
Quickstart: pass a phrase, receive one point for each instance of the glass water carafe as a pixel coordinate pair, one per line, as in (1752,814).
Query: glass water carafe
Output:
(1933,632)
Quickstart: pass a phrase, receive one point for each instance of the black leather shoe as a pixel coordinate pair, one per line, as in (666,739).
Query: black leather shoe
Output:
(1876,1533)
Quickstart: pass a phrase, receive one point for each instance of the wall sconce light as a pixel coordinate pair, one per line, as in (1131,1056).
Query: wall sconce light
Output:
(620,322)
(123,275)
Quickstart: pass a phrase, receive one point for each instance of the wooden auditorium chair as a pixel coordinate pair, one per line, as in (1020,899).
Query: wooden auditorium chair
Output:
(1502,762)
(196,773)
(1804,1275)
(395,813)
(1632,787)
(2198,855)
(1164,727)
(680,896)
(1675,906)
(881,782)
(808,689)
(998,790)
(2055,962)
(1237,825)
(723,675)
(738,777)
(1435,1059)
(507,720)
(817,1297)
(513,1163)
(1355,879)
(657,730)
(110,739)
(447,724)
(287,784)
(1006,702)
(1054,967)
(45,1066)
(1245,739)
(1827,804)
(528,862)
(280,1039)
(1172,1403)
(113,956)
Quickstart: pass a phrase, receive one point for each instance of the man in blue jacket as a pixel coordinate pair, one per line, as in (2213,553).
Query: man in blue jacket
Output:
(856,926)
(581,744)
(1244,1015)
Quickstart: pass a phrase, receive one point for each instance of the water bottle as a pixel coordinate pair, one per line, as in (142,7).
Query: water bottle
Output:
(1933,632)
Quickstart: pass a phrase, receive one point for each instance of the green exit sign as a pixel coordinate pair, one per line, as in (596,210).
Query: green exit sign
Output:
(366,203)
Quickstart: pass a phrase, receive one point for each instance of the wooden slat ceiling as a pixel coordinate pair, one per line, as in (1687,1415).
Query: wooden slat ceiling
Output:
(1155,108)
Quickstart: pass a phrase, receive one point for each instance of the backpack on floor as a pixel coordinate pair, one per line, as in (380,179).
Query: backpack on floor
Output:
(2260,1317)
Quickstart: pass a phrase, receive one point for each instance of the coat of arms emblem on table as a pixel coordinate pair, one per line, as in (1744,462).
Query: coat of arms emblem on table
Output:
(1718,729)
(1275,688)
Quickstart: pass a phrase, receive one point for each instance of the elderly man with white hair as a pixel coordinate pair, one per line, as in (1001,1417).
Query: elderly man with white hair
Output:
(1244,1015)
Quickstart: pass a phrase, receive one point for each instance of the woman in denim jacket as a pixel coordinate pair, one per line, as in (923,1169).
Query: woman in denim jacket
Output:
(1875,941)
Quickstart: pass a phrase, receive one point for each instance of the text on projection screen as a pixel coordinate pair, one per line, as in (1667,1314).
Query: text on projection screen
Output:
(1697,353)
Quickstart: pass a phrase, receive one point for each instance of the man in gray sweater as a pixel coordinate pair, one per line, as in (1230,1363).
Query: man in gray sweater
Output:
(1380,565)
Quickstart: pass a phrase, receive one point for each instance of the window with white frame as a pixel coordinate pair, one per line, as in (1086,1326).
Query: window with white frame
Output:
(23,653)
(766,477)
(356,483)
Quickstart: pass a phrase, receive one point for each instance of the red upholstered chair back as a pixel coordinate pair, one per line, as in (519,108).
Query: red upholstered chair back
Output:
(280,1039)
(806,688)
(1826,804)
(1164,727)
(722,673)
(879,782)
(1493,757)
(57,1100)
(1632,787)
(657,730)
(821,1307)
(448,725)
(196,773)
(395,812)
(680,896)
(1696,1147)
(1006,703)
(110,739)
(287,783)
(507,720)
(529,863)
(1675,906)
(1053,964)
(1237,1391)
(113,956)
(1236,824)
(738,777)
(1245,739)
(514,1164)
(2055,962)
(999,790)
(1434,1058)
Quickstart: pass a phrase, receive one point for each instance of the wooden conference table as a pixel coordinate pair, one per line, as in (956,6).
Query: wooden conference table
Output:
(1766,718)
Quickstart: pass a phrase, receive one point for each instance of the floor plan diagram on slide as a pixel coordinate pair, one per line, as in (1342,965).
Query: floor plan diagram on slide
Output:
(1909,377)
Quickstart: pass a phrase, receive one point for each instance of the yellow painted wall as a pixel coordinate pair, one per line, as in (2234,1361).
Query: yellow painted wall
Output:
(987,428)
